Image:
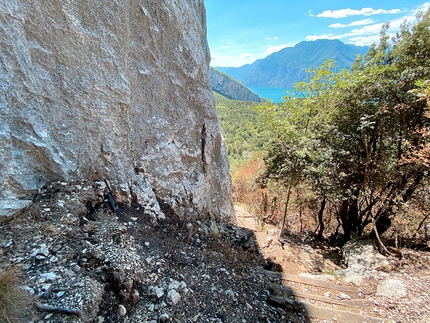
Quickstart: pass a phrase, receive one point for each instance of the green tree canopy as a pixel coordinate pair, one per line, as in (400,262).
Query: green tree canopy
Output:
(355,135)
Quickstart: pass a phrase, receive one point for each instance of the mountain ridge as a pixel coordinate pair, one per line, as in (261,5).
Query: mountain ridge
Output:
(288,66)
(229,87)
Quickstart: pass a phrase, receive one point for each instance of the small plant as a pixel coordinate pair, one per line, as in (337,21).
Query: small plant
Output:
(13,300)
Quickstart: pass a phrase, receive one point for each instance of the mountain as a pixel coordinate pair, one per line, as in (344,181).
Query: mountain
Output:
(288,66)
(230,88)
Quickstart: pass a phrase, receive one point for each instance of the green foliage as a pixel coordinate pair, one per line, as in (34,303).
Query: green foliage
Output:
(295,153)
(346,133)
(241,129)
(297,126)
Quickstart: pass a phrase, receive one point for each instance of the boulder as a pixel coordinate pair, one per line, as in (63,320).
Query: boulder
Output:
(392,288)
(12,208)
(116,90)
(362,259)
(363,253)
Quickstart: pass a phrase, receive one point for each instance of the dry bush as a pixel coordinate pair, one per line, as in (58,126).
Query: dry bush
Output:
(13,300)
(266,200)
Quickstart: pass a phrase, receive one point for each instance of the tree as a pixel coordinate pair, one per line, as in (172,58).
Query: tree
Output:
(360,136)
(295,150)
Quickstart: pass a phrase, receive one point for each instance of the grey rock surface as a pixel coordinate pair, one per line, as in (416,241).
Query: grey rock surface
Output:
(12,208)
(230,88)
(363,253)
(363,259)
(117,90)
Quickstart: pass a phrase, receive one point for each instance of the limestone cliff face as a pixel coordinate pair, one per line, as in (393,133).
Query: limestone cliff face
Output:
(117,90)
(230,88)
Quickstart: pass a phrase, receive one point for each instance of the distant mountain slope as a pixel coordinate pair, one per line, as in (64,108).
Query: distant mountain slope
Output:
(288,66)
(230,88)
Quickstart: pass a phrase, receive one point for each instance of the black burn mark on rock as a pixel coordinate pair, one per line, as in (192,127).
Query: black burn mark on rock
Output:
(203,147)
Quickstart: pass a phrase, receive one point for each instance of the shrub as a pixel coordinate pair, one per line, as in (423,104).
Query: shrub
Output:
(13,300)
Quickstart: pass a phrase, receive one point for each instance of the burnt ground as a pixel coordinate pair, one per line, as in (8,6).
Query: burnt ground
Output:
(78,256)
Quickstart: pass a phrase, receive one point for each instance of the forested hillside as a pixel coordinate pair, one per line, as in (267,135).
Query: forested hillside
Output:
(241,129)
(352,147)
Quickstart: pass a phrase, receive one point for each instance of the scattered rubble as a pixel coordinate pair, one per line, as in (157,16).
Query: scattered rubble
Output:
(83,262)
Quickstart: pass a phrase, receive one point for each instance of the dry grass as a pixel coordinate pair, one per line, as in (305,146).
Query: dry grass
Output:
(13,300)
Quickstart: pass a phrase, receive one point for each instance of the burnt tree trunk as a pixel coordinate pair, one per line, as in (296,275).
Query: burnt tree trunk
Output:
(320,219)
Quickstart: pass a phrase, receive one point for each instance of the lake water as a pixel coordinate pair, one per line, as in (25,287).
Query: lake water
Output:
(270,93)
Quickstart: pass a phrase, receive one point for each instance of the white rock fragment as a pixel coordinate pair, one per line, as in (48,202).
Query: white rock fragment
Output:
(392,288)
(343,296)
(268,242)
(214,229)
(174,296)
(272,232)
(159,292)
(122,310)
(174,285)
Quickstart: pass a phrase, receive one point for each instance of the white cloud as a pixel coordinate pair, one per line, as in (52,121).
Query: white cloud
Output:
(325,36)
(343,13)
(362,22)
(337,25)
(309,13)
(246,55)
(367,30)
(422,7)
(231,61)
(272,38)
(274,49)
(357,35)
(354,23)
(364,40)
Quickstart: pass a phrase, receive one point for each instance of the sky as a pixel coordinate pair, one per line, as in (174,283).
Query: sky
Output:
(242,31)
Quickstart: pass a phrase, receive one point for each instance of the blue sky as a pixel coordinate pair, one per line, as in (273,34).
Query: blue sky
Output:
(241,31)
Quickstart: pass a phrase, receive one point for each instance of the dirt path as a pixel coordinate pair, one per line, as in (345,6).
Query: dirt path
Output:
(331,299)
(293,257)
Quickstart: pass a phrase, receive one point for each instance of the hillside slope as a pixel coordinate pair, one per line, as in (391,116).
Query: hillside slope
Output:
(230,88)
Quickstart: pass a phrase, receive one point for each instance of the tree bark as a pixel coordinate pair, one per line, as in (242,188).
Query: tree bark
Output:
(320,219)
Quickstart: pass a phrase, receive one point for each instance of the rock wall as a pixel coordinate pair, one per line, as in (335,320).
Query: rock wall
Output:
(116,90)
(230,88)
